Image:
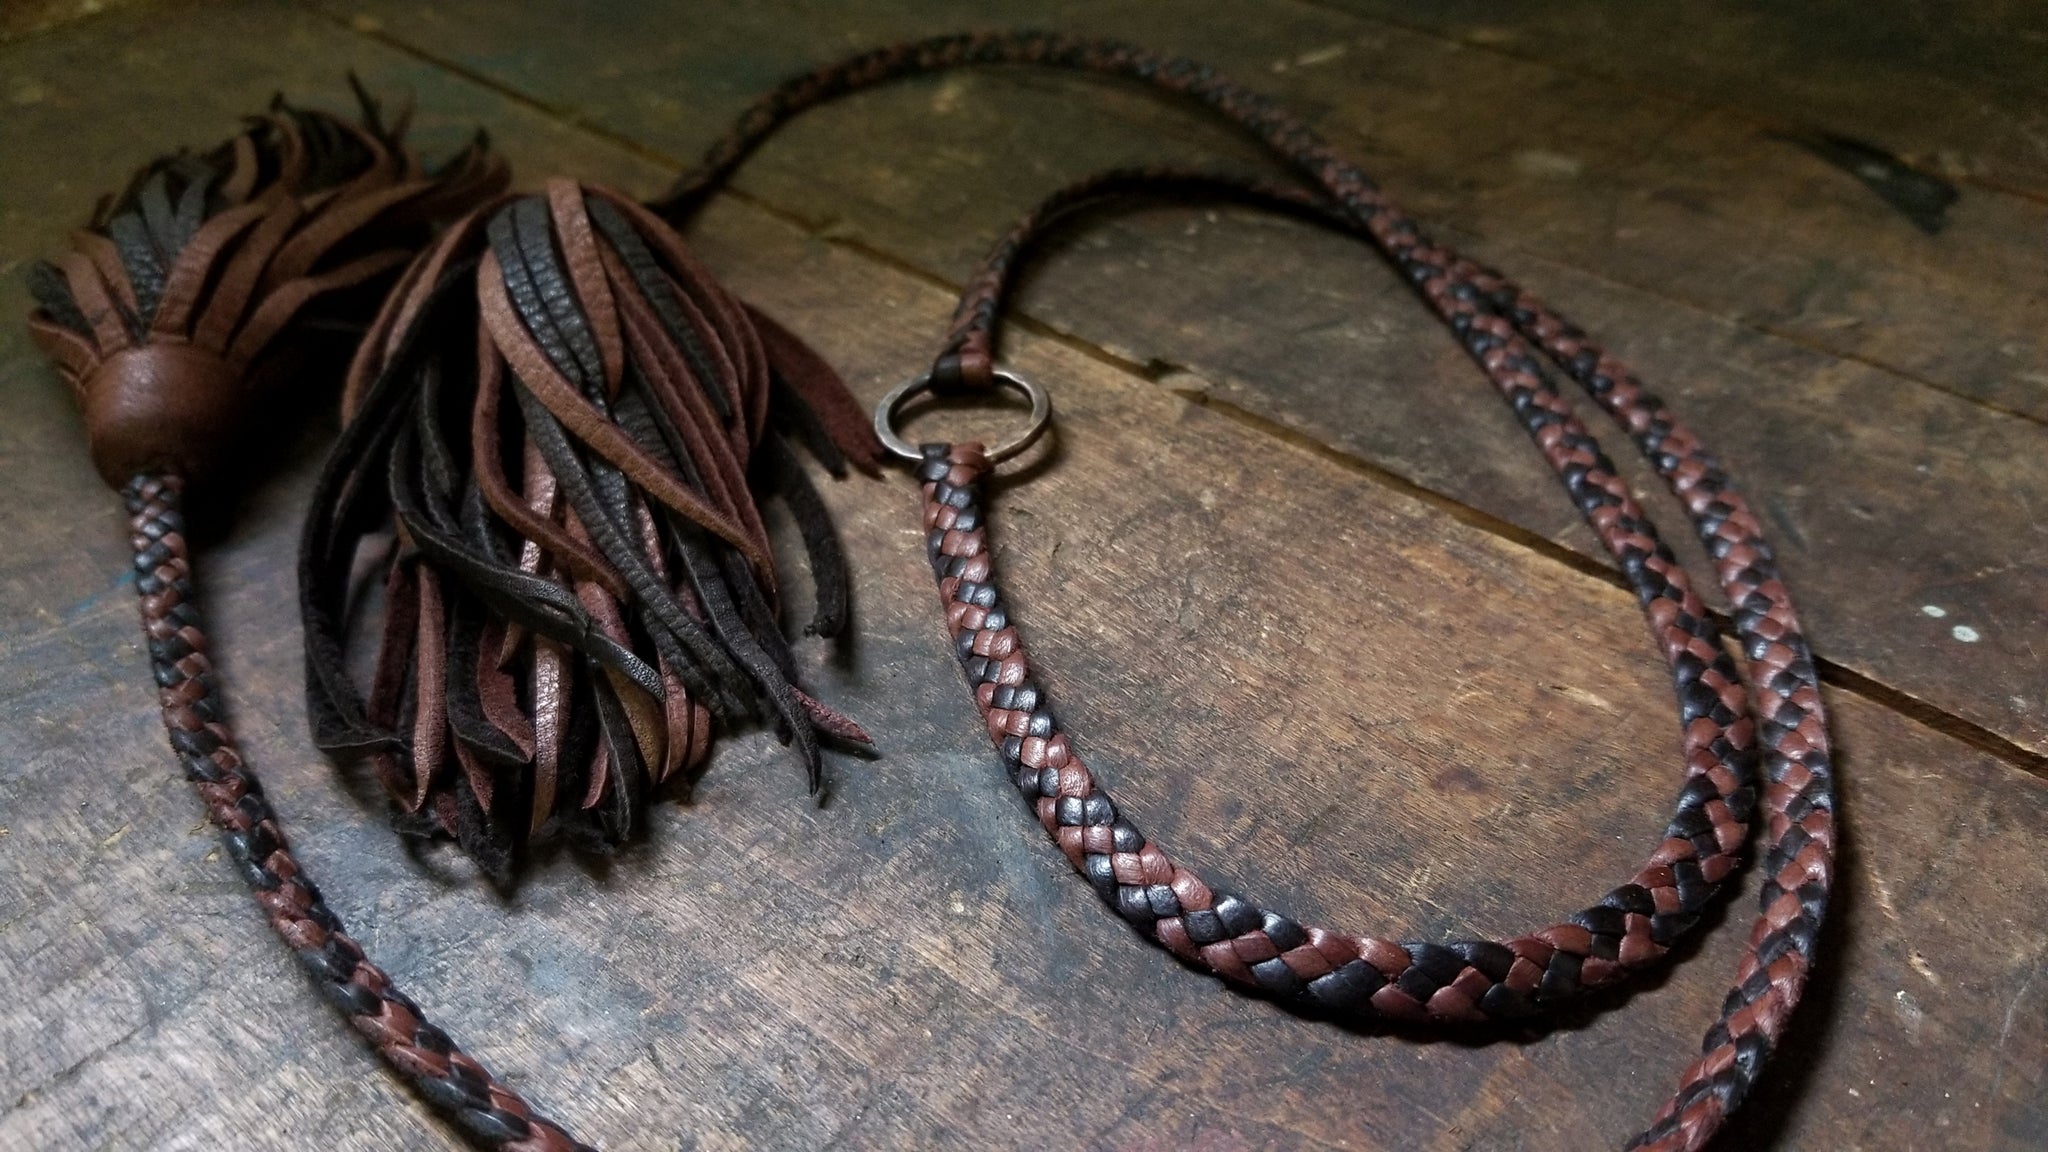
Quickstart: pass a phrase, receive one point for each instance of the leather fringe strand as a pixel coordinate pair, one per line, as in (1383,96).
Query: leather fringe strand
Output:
(568,424)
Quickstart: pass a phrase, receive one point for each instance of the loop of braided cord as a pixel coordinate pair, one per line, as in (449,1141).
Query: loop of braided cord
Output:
(1798,798)
(451,1081)
(1797,770)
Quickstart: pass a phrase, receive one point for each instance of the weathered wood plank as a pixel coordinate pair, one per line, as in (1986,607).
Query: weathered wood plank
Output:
(1655,192)
(1910,522)
(910,966)
(19,18)
(1962,91)
(1887,497)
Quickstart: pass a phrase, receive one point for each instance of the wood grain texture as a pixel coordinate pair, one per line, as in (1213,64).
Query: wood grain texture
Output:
(1307,332)
(1659,193)
(1883,498)
(1960,89)
(1285,667)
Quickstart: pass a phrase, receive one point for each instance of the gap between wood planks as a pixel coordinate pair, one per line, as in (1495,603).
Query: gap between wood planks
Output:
(1760,122)
(672,162)
(1733,112)
(1836,676)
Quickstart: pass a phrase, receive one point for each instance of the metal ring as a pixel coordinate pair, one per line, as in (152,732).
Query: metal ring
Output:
(1041,416)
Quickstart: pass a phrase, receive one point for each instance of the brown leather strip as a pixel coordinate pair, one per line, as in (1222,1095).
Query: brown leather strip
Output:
(586,272)
(75,355)
(677,388)
(281,305)
(540,377)
(851,427)
(371,350)
(293,160)
(195,263)
(101,251)
(720,468)
(599,773)
(236,288)
(662,742)
(394,662)
(346,213)
(109,333)
(540,491)
(642,712)
(241,181)
(753,364)
(476,773)
(679,715)
(712,310)
(385,167)
(430,708)
(549,680)
(478,175)
(551,694)
(485,458)
(831,721)
(453,245)
(498,692)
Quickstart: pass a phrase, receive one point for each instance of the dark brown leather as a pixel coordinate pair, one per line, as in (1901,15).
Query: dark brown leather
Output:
(458,1086)
(182,284)
(1356,977)
(1801,829)
(615,532)
(1502,332)
(160,319)
(159,408)
(569,424)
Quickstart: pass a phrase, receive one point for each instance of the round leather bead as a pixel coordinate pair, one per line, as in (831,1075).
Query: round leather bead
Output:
(160,408)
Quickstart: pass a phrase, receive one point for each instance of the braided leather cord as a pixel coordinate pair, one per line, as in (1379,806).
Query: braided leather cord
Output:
(1799,800)
(1798,770)
(451,1081)
(1799,791)
(968,355)
(1351,977)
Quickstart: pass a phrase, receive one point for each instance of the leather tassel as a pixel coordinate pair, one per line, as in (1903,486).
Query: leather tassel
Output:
(569,425)
(167,312)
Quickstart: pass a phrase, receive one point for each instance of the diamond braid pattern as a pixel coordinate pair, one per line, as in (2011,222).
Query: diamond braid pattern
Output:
(451,1081)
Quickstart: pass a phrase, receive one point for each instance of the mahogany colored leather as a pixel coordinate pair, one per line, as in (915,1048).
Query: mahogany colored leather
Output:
(159,408)
(1801,827)
(1502,330)
(158,319)
(589,538)
(569,424)
(194,714)
(181,284)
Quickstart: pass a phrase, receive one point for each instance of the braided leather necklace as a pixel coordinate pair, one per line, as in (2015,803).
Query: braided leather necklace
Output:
(1501,327)
(96,321)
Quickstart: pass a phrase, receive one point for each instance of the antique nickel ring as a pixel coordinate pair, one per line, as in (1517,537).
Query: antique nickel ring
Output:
(1041,416)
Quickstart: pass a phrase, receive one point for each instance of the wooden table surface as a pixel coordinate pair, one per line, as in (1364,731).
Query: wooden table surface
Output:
(1314,606)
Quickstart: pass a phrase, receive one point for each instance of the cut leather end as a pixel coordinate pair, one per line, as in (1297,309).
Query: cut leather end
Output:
(181,285)
(576,427)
